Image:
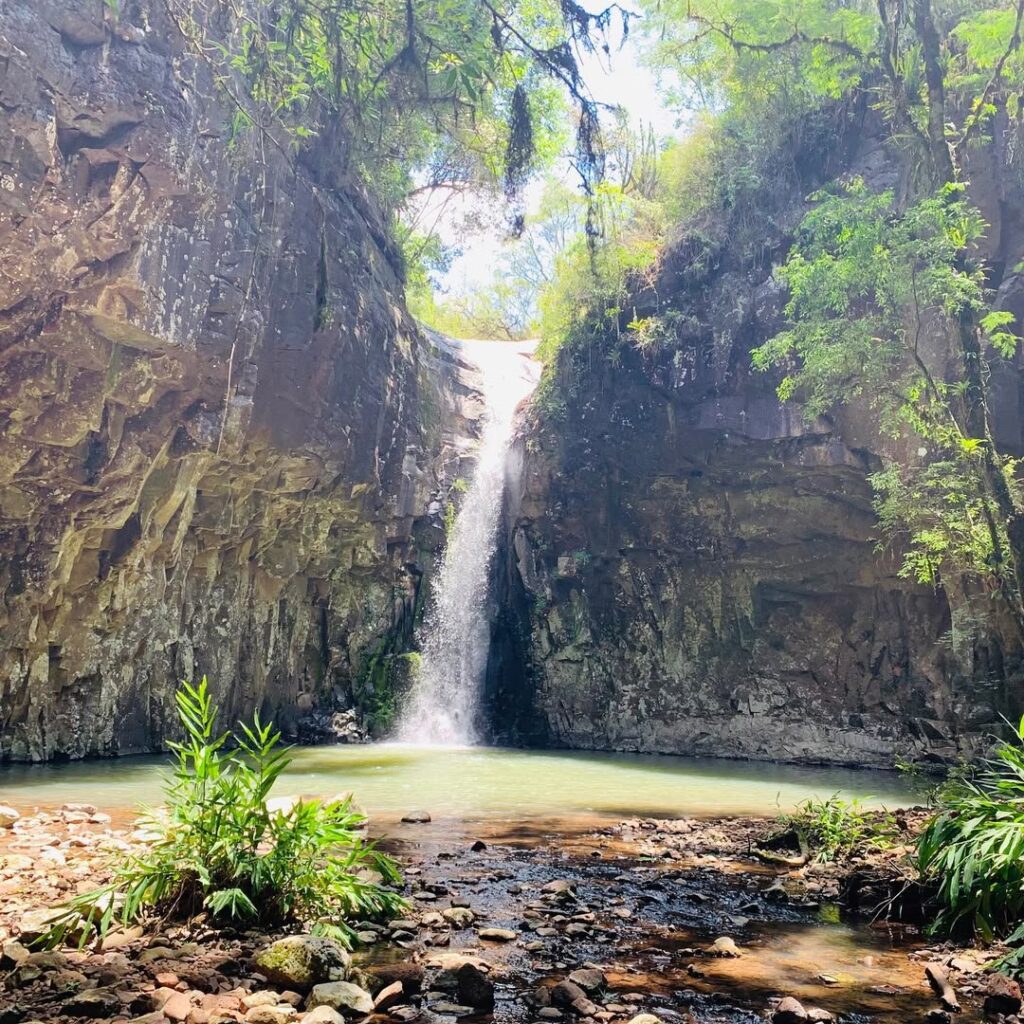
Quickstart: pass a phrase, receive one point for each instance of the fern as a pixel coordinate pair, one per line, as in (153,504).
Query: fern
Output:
(222,850)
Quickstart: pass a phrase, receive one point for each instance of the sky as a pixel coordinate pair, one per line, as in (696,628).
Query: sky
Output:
(617,80)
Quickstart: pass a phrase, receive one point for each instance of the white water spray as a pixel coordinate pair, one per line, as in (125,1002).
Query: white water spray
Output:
(443,707)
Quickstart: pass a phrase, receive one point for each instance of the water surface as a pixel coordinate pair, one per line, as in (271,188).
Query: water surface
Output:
(488,783)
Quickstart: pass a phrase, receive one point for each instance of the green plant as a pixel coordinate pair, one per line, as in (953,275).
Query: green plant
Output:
(835,827)
(451,513)
(220,848)
(973,849)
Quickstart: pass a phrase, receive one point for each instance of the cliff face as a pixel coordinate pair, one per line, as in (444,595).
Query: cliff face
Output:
(697,564)
(219,434)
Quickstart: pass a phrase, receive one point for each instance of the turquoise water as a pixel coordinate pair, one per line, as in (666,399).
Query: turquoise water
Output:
(484,782)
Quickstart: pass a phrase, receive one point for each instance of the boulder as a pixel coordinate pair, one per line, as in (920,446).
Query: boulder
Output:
(342,996)
(303,961)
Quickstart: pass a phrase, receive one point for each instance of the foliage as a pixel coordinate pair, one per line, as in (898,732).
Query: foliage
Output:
(428,93)
(871,288)
(973,849)
(220,848)
(835,827)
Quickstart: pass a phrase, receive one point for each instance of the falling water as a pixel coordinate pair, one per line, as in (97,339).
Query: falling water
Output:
(443,706)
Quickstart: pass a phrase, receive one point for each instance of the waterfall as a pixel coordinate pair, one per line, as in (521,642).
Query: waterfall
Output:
(443,707)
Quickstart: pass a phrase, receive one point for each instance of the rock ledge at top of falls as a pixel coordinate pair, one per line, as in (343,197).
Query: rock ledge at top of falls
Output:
(152,530)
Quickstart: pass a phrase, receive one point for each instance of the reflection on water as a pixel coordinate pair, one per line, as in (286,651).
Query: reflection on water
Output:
(486,782)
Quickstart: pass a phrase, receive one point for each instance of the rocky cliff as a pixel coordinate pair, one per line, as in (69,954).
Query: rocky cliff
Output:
(696,565)
(219,433)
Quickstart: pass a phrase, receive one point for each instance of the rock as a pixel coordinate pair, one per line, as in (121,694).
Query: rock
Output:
(51,856)
(302,961)
(388,996)
(342,996)
(590,979)
(724,947)
(416,818)
(93,1002)
(86,809)
(478,846)
(938,1017)
(178,1006)
(379,976)
(939,981)
(323,1015)
(1002,995)
(8,816)
(498,934)
(261,998)
(789,1011)
(474,988)
(280,1014)
(565,993)
(460,917)
(34,924)
(820,1016)
(645,1018)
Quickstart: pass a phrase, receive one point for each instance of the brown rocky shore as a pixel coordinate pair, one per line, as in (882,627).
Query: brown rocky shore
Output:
(643,921)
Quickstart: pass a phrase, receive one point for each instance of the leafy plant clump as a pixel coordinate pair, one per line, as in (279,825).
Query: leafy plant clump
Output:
(973,848)
(835,827)
(223,850)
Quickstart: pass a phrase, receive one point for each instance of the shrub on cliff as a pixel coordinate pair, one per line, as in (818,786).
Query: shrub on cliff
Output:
(973,849)
(221,849)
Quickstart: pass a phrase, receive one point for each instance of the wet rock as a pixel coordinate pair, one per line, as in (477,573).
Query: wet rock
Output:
(8,816)
(478,846)
(452,1009)
(938,1017)
(474,988)
(416,818)
(342,996)
(820,1016)
(302,961)
(498,934)
(1002,995)
(789,1011)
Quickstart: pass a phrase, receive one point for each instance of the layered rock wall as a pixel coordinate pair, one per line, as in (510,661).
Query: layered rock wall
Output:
(697,565)
(219,432)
